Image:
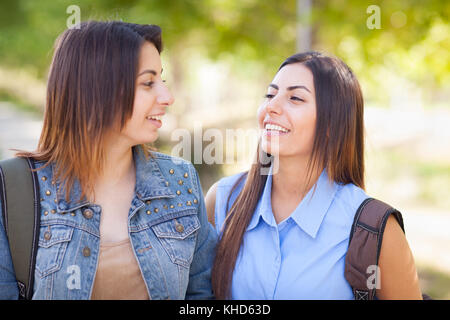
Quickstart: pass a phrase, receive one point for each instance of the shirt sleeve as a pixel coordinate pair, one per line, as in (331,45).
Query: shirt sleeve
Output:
(8,284)
(199,286)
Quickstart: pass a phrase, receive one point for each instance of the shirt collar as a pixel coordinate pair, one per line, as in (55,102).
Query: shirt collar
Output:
(264,207)
(150,184)
(310,212)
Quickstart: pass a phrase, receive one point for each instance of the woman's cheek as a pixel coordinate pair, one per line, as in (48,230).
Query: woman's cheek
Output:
(261,114)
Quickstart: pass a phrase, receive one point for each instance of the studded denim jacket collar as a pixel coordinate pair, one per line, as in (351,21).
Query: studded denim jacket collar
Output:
(150,184)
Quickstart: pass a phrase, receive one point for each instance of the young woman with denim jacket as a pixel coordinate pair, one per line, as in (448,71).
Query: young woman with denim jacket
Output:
(119,221)
(284,226)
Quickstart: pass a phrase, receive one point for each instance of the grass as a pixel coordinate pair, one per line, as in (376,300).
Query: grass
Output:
(18,103)
(434,283)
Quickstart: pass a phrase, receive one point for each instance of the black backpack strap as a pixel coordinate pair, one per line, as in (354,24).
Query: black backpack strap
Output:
(19,192)
(366,236)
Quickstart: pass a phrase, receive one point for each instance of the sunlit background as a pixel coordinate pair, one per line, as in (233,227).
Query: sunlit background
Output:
(220,55)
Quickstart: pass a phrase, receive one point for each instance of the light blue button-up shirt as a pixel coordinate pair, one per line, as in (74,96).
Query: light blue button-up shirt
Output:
(302,257)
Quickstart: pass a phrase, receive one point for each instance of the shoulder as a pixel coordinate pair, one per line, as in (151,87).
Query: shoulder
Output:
(224,188)
(210,203)
(399,278)
(220,190)
(177,171)
(167,160)
(222,196)
(348,198)
(230,181)
(173,166)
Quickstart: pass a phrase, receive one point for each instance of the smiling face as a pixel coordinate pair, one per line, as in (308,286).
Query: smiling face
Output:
(288,114)
(151,99)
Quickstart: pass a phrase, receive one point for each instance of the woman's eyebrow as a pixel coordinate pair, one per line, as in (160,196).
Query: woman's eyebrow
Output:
(289,88)
(298,87)
(274,86)
(153,72)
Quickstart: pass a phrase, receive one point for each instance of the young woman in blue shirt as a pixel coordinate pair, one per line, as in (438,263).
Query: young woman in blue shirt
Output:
(284,226)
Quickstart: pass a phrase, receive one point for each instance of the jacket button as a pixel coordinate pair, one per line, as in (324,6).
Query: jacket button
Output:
(48,192)
(148,212)
(179,228)
(172,206)
(44,178)
(156,210)
(47,235)
(180,182)
(190,190)
(88,214)
(186,175)
(178,192)
(195,200)
(171,171)
(86,251)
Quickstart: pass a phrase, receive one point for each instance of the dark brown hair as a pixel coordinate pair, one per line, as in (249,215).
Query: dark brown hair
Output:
(338,147)
(90,91)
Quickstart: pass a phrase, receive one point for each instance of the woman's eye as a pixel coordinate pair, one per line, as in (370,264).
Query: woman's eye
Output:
(148,84)
(269,96)
(297,98)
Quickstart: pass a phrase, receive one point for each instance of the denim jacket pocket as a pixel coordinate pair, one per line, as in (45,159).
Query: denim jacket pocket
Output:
(53,241)
(178,238)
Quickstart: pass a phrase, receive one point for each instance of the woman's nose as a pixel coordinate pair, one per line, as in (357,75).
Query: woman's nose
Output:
(274,106)
(165,97)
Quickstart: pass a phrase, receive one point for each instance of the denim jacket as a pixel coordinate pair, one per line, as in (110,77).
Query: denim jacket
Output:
(167,225)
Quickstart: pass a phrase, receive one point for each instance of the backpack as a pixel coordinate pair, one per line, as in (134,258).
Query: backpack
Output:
(19,194)
(364,248)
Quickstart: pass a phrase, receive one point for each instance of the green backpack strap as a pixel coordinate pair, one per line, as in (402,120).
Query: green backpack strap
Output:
(19,192)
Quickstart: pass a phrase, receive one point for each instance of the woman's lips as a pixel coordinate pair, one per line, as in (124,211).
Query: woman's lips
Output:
(156,123)
(272,133)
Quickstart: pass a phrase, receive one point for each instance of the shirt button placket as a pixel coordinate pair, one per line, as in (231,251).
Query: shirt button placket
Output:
(277,262)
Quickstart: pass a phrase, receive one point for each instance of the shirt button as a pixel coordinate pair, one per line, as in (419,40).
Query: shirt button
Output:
(47,235)
(179,228)
(86,251)
(88,214)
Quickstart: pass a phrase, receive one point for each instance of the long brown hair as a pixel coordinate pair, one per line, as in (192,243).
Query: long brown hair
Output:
(338,147)
(90,91)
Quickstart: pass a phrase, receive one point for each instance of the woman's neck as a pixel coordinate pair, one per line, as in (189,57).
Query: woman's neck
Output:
(118,167)
(290,178)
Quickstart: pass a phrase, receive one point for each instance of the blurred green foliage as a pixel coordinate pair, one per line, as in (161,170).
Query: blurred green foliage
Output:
(413,41)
